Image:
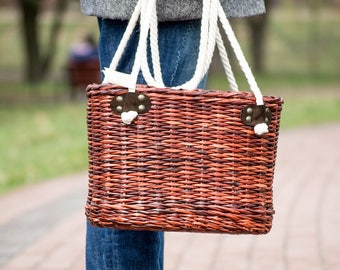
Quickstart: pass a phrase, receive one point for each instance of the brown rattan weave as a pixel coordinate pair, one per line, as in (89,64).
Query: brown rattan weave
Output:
(189,164)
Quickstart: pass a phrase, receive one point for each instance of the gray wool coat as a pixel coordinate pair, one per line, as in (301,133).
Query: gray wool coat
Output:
(169,10)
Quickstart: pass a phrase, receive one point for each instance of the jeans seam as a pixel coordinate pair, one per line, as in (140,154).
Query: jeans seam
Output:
(178,56)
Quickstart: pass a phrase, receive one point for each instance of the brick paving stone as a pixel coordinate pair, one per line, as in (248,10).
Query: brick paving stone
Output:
(200,252)
(175,245)
(61,248)
(304,234)
(23,232)
(36,195)
(233,252)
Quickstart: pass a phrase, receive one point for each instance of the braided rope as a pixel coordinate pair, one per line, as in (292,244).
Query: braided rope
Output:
(146,10)
(209,37)
(203,48)
(145,18)
(154,46)
(121,47)
(157,80)
(226,63)
(239,54)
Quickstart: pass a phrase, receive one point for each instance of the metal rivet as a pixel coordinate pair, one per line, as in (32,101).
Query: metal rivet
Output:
(141,97)
(267,110)
(119,98)
(248,118)
(249,111)
(119,108)
(266,120)
(141,108)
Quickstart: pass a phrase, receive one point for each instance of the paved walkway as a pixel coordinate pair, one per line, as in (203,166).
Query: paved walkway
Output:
(42,226)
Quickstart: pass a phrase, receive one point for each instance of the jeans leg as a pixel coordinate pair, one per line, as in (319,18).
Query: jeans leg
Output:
(178,45)
(109,249)
(178,42)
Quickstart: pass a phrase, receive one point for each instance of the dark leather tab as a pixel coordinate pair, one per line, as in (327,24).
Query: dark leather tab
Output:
(138,102)
(256,114)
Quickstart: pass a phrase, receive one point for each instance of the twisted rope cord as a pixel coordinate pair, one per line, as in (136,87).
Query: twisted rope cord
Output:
(226,63)
(239,54)
(157,80)
(126,36)
(141,52)
(146,10)
(208,28)
(214,37)
(145,18)
(203,46)
(154,46)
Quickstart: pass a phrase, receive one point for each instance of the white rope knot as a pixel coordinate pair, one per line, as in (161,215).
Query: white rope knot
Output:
(129,117)
(261,129)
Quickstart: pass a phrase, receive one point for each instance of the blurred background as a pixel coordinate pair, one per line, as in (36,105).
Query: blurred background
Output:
(293,50)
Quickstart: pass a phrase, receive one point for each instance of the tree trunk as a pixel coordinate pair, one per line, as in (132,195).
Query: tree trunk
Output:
(29,25)
(47,61)
(38,62)
(257,26)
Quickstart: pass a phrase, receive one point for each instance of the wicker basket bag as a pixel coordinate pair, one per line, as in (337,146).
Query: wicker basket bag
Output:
(180,159)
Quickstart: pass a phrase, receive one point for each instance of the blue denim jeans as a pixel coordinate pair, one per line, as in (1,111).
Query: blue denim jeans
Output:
(111,249)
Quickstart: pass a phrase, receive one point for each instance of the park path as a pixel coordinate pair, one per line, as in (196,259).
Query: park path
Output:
(42,227)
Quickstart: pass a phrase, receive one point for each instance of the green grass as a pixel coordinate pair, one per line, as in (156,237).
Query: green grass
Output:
(41,141)
(271,80)
(312,101)
(310,110)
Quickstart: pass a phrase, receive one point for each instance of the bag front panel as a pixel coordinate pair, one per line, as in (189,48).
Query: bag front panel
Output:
(189,164)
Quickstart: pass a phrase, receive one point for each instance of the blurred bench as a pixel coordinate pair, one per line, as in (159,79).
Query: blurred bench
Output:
(82,73)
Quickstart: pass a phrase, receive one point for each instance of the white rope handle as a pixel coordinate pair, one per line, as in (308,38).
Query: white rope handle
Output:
(210,36)
(204,48)
(239,54)
(157,80)
(226,63)
(110,73)
(146,11)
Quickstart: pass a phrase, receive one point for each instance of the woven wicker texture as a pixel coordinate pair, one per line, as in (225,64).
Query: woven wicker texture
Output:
(189,164)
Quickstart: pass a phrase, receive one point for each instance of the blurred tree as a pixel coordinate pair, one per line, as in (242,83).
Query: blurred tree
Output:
(38,59)
(315,7)
(257,27)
